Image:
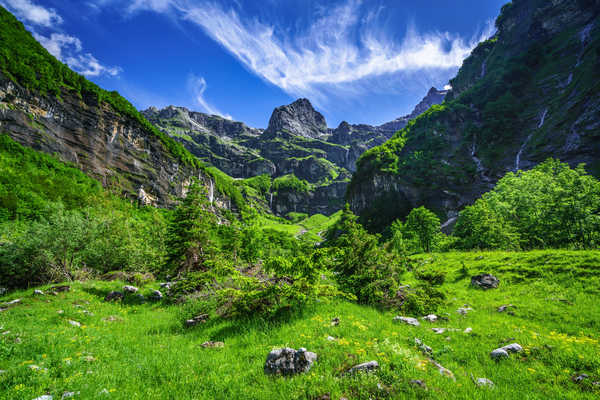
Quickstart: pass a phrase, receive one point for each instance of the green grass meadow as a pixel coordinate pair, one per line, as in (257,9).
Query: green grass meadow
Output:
(134,350)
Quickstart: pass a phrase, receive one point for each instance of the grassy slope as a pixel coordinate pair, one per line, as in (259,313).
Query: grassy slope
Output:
(147,353)
(310,228)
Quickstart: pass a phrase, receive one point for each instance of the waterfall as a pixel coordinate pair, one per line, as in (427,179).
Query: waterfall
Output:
(211,191)
(543,118)
(483,69)
(271,200)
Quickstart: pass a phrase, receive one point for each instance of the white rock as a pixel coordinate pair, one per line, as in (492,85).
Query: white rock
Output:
(484,382)
(74,323)
(430,318)
(499,354)
(464,310)
(130,289)
(407,320)
(44,397)
(512,348)
(468,330)
(38,292)
(439,331)
(331,338)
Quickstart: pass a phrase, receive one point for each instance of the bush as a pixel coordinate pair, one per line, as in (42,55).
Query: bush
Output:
(363,267)
(431,276)
(422,300)
(549,206)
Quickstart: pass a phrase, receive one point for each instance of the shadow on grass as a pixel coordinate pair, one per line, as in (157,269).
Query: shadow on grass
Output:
(128,299)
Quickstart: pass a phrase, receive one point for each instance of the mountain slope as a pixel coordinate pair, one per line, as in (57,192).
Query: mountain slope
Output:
(529,93)
(46,106)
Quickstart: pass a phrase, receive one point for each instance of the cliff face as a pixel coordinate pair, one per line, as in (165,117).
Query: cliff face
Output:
(112,148)
(529,93)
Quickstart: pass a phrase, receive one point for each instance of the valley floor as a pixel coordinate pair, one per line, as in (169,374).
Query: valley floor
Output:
(135,350)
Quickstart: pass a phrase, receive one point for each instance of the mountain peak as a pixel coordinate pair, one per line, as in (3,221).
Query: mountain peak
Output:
(298,118)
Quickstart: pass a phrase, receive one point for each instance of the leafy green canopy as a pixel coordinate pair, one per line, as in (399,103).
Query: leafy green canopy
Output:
(550,206)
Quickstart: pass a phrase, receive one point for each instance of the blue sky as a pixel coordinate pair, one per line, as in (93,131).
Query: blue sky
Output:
(366,61)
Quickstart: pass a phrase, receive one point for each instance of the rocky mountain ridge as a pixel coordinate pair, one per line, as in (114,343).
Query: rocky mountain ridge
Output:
(296,142)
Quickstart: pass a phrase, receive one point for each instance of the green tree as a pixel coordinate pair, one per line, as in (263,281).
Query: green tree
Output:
(424,225)
(189,235)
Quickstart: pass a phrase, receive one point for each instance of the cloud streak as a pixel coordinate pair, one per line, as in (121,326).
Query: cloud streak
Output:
(66,48)
(197,86)
(341,51)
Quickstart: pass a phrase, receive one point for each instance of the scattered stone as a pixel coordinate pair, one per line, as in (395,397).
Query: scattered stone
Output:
(75,323)
(89,313)
(484,382)
(331,338)
(468,330)
(287,361)
(104,391)
(130,289)
(485,281)
(439,331)
(407,320)
(34,367)
(38,292)
(59,289)
(112,318)
(335,321)
(503,352)
(12,302)
(114,296)
(418,382)
(513,348)
(464,310)
(60,312)
(167,285)
(579,378)
(423,347)
(156,295)
(89,358)
(430,318)
(18,340)
(44,397)
(498,354)
(212,344)
(140,297)
(369,366)
(505,307)
(202,318)
(66,395)
(325,396)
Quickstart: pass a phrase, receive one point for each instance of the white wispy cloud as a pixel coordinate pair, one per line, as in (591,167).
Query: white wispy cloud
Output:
(197,87)
(33,13)
(342,51)
(66,48)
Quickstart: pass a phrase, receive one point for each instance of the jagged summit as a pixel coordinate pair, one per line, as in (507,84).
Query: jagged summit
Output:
(298,118)
(433,96)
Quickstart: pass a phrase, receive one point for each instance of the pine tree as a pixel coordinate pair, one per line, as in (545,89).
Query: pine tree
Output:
(189,237)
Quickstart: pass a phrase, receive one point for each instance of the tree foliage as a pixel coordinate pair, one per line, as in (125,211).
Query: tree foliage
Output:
(551,205)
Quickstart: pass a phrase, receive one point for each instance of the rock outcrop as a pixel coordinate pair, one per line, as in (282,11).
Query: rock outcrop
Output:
(298,118)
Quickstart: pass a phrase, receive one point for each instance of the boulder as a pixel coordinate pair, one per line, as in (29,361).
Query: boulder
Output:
(505,307)
(485,281)
(364,367)
(484,382)
(503,352)
(498,354)
(114,296)
(407,320)
(464,310)
(287,361)
(430,318)
(38,292)
(130,289)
